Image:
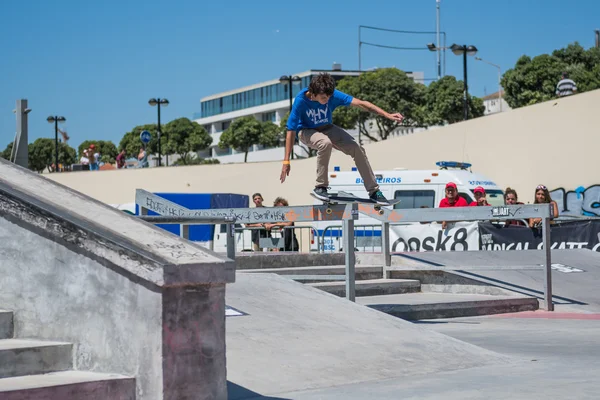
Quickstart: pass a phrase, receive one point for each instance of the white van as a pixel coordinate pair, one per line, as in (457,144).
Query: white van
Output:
(414,189)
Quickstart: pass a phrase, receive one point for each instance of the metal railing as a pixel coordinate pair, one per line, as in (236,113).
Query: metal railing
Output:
(276,238)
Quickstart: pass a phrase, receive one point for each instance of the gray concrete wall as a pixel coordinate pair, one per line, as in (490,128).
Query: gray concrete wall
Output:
(132,298)
(114,323)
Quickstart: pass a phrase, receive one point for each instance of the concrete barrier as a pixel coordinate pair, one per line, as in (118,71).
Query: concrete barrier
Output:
(134,299)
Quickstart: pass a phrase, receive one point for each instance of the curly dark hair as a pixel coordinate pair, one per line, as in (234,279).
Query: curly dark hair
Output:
(322,84)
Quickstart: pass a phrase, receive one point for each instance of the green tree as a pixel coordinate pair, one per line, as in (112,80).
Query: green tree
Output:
(185,137)
(245,132)
(389,89)
(444,102)
(42,154)
(534,80)
(7,151)
(131,140)
(107,149)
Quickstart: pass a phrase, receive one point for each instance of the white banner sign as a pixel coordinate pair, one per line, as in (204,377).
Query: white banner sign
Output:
(459,236)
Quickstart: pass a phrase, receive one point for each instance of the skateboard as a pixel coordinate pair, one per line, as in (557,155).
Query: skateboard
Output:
(345,198)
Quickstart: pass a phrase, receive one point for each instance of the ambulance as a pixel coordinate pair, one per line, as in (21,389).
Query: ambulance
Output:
(414,189)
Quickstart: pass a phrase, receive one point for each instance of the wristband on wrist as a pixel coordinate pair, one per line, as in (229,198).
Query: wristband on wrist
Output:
(285,162)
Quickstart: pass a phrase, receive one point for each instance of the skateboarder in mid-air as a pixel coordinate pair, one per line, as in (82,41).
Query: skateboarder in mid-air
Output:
(311,119)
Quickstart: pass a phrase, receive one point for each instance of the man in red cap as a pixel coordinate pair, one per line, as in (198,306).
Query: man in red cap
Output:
(480,199)
(452,199)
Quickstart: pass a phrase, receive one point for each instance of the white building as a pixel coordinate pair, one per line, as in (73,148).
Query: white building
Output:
(266,101)
(495,103)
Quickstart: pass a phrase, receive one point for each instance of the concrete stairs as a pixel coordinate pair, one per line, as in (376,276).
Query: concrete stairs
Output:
(404,295)
(39,369)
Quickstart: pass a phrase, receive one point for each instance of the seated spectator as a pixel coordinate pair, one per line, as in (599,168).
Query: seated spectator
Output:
(289,237)
(257,234)
(480,199)
(452,199)
(542,195)
(510,199)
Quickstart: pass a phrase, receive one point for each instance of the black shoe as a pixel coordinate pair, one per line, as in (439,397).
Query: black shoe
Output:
(379,198)
(321,193)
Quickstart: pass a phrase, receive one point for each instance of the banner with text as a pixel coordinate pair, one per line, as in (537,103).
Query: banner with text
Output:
(460,236)
(570,235)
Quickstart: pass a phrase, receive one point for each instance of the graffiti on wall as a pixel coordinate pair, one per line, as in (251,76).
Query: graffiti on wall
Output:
(580,201)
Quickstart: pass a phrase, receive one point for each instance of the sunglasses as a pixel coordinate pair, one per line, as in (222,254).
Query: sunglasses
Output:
(541,187)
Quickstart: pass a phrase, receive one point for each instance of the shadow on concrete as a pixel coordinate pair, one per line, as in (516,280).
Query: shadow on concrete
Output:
(237,392)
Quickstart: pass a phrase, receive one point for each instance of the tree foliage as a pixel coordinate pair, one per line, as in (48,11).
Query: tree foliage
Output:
(107,149)
(193,159)
(245,132)
(444,102)
(534,80)
(388,88)
(185,137)
(42,154)
(7,151)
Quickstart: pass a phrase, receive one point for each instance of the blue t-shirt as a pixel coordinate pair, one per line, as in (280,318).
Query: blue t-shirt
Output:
(308,114)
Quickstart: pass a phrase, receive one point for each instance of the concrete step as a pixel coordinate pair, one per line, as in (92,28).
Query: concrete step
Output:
(418,306)
(6,324)
(68,385)
(371,287)
(20,357)
(311,274)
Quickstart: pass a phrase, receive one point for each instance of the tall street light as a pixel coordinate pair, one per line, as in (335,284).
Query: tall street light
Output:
(499,79)
(464,50)
(158,102)
(56,119)
(289,80)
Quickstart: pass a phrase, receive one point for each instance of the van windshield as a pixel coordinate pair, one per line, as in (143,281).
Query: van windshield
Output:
(495,197)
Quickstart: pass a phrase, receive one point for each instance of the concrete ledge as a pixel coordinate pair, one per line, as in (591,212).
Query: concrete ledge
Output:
(70,385)
(373,287)
(262,260)
(452,309)
(20,357)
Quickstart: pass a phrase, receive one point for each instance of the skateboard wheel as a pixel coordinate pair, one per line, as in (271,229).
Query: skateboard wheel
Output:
(328,211)
(380,211)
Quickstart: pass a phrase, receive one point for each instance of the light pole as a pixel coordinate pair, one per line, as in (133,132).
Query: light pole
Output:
(499,79)
(56,119)
(158,102)
(289,80)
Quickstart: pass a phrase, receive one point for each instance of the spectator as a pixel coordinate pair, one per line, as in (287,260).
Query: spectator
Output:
(452,199)
(142,159)
(543,196)
(565,86)
(511,199)
(94,158)
(84,160)
(289,237)
(480,199)
(121,159)
(257,234)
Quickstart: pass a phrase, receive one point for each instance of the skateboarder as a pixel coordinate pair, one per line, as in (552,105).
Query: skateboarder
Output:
(311,119)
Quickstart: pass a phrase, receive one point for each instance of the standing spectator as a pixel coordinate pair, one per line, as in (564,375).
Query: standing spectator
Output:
(480,199)
(511,199)
(452,199)
(94,158)
(121,159)
(84,160)
(142,158)
(257,234)
(543,196)
(289,237)
(565,86)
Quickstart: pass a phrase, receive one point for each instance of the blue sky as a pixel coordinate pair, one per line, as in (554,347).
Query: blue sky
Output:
(98,62)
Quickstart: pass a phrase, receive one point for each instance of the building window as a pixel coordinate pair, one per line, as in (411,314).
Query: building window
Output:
(225,125)
(269,116)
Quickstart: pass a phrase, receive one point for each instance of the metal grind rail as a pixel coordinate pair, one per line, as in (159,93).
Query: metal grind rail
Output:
(348,213)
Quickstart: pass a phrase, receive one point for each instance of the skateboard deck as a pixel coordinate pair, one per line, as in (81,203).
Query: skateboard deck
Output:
(345,198)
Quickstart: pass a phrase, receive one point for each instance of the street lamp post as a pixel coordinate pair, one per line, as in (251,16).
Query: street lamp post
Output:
(464,50)
(289,80)
(158,102)
(499,79)
(56,119)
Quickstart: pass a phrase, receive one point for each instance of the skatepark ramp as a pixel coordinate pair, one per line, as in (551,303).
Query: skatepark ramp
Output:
(102,305)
